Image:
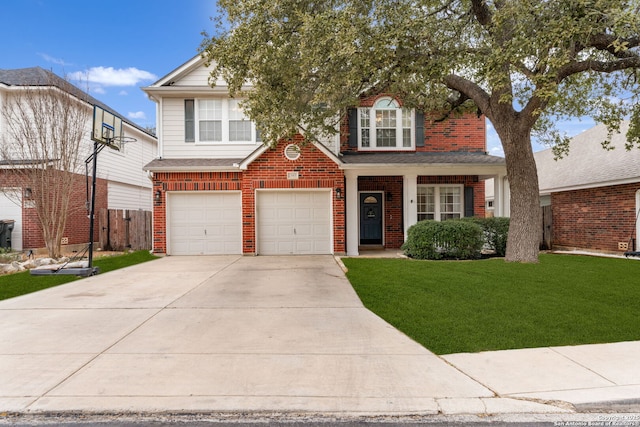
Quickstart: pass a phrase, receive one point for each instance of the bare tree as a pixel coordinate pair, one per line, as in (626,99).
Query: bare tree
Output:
(45,126)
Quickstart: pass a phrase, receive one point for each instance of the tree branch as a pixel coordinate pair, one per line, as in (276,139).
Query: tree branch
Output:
(469,89)
(597,66)
(481,12)
(607,42)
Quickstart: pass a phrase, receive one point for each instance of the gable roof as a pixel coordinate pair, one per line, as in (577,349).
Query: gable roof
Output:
(588,164)
(37,76)
(181,71)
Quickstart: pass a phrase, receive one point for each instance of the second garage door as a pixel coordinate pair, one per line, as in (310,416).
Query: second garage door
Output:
(204,223)
(294,222)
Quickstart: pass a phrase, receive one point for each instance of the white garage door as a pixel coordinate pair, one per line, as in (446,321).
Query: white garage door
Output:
(204,223)
(294,222)
(9,209)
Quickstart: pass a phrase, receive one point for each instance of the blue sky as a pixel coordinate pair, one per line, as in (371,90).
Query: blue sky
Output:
(114,47)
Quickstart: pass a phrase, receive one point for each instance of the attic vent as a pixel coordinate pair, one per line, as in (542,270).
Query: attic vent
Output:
(292,152)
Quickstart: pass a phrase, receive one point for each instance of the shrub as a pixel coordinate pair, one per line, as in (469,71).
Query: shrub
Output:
(452,239)
(495,231)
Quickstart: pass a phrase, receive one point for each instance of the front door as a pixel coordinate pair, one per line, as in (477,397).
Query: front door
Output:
(370,218)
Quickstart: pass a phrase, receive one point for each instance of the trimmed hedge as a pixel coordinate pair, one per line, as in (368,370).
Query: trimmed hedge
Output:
(495,230)
(451,239)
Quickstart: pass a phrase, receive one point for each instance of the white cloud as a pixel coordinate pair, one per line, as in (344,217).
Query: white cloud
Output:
(138,115)
(123,93)
(109,76)
(99,90)
(53,60)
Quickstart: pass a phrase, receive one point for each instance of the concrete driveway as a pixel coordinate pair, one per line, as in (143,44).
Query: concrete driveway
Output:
(227,333)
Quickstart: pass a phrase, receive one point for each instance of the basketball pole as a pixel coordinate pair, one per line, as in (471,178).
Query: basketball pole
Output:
(93,203)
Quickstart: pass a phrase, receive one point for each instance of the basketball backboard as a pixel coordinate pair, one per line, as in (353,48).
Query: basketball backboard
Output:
(107,128)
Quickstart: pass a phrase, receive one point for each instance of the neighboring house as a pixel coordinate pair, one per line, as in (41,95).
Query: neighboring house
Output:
(219,190)
(122,183)
(594,193)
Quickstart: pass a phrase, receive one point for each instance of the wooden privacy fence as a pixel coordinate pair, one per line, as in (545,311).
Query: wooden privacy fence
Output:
(547,241)
(125,229)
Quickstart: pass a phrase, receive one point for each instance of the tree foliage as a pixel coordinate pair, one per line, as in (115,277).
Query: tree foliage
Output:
(521,63)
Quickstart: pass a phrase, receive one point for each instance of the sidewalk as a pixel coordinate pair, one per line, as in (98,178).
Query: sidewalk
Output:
(271,335)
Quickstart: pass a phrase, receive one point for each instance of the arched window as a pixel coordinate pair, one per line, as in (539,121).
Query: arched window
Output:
(386,126)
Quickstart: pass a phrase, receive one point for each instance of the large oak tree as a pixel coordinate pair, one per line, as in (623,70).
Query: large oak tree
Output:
(521,63)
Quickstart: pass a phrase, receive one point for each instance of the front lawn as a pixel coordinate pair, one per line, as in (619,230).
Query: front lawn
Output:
(470,306)
(13,285)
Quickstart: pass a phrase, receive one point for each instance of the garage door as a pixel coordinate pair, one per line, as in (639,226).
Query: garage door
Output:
(294,222)
(204,223)
(10,210)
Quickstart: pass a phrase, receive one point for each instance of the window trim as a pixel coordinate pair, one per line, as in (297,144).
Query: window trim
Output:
(400,115)
(437,214)
(193,124)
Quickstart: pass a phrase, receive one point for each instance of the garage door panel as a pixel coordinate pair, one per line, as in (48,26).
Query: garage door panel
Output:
(204,223)
(294,222)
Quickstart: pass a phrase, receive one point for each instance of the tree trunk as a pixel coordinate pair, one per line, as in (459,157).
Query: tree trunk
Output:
(523,243)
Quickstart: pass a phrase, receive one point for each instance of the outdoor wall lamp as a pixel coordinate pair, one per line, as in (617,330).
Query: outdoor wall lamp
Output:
(389,196)
(157,197)
(338,193)
(28,193)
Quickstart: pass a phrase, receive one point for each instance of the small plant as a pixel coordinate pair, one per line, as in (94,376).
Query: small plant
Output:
(452,239)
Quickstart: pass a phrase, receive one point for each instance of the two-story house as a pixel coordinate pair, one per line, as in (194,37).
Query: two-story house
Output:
(219,190)
(121,181)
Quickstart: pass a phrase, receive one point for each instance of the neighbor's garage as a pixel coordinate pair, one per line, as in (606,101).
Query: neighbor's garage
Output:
(204,223)
(294,222)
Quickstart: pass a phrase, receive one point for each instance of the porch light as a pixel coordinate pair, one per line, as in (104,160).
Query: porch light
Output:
(157,198)
(338,193)
(28,193)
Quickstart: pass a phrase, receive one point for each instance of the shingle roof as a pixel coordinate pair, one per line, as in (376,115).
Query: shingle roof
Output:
(588,164)
(37,76)
(191,164)
(422,158)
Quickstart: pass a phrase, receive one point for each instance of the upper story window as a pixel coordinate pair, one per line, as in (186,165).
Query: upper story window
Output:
(217,121)
(385,126)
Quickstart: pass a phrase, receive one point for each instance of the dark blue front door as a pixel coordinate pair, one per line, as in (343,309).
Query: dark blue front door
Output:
(370,218)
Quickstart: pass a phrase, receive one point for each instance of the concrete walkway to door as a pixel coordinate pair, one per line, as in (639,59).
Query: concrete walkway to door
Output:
(227,333)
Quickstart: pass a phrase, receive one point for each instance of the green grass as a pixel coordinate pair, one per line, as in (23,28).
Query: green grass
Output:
(470,306)
(13,285)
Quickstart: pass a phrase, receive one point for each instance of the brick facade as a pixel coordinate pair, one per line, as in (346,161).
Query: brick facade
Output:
(465,133)
(594,218)
(269,171)
(77,226)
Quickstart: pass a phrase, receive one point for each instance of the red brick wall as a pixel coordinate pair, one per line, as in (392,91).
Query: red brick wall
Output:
(465,133)
(77,227)
(315,170)
(595,218)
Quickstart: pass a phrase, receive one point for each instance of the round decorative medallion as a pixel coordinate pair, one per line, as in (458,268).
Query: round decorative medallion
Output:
(292,152)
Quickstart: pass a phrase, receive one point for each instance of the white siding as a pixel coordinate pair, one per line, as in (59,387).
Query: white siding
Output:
(174,146)
(197,77)
(124,196)
(125,167)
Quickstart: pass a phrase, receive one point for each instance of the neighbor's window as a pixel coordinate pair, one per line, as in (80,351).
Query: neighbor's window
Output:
(439,202)
(217,120)
(386,126)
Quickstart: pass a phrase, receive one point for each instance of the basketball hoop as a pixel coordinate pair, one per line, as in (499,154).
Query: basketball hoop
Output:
(118,142)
